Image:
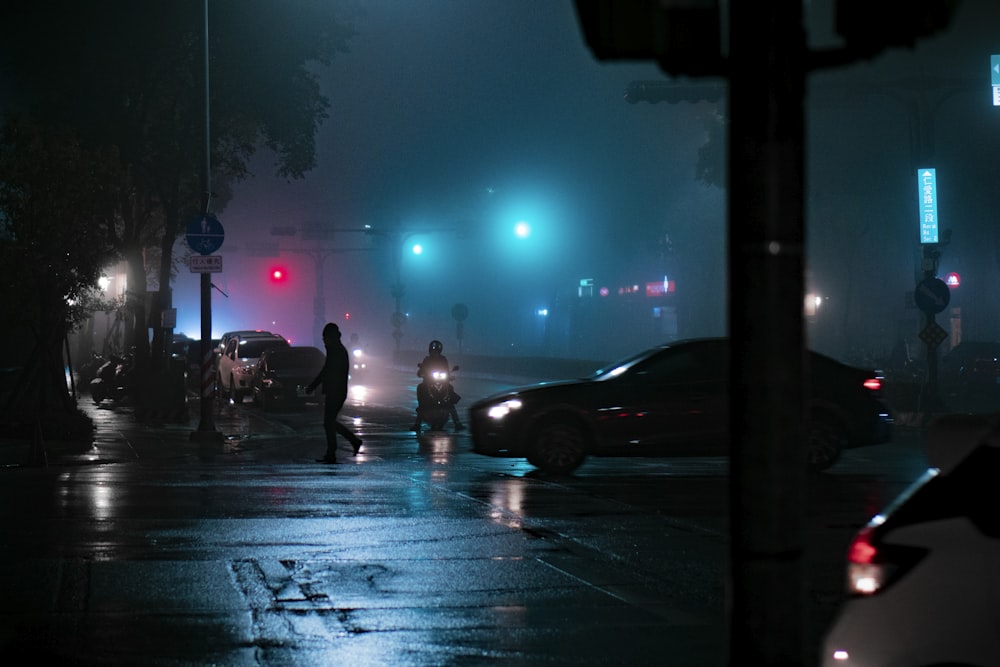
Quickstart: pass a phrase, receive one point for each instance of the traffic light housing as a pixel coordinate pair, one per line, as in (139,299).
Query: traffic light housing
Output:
(684,37)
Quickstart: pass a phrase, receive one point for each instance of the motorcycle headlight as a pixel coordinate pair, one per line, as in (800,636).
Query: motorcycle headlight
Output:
(501,410)
(439,376)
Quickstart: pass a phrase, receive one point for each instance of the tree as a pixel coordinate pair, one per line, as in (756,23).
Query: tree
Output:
(49,183)
(128,77)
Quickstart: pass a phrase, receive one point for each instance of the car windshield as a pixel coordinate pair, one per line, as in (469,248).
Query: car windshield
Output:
(621,366)
(253,348)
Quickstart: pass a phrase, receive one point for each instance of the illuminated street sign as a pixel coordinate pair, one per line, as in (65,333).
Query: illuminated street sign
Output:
(927,198)
(995,79)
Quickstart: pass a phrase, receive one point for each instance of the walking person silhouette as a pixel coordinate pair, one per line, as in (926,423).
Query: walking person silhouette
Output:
(333,377)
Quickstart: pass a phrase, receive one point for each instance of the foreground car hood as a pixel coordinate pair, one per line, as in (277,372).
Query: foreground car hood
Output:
(529,390)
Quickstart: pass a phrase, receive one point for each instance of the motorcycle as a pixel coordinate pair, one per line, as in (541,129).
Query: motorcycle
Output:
(436,398)
(112,379)
(359,363)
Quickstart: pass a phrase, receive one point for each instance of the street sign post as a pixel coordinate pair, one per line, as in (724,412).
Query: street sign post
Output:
(206,263)
(205,234)
(932,295)
(995,78)
(927,198)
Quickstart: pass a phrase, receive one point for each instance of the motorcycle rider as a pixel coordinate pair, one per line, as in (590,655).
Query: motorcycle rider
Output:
(435,360)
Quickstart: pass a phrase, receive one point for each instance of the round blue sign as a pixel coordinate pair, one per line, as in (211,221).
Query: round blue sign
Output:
(932,295)
(205,234)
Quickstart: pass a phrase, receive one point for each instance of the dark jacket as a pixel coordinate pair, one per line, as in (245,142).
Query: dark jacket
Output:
(334,374)
(432,362)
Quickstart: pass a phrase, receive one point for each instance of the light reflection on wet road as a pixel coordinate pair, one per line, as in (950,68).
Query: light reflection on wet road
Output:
(417,551)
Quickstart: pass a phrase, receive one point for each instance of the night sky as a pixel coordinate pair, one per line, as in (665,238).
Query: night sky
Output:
(472,117)
(464,118)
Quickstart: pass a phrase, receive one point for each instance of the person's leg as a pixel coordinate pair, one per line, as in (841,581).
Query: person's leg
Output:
(330,427)
(344,431)
(351,437)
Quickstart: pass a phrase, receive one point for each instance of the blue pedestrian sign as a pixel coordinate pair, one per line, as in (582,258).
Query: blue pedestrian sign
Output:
(205,234)
(927,201)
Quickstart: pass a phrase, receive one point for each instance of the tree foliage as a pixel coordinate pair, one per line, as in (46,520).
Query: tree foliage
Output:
(50,184)
(124,83)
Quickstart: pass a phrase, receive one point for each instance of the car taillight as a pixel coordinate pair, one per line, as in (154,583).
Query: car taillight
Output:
(873,566)
(865,575)
(874,384)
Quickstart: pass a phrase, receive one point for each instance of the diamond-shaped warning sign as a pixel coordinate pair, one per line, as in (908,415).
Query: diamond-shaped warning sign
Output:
(933,334)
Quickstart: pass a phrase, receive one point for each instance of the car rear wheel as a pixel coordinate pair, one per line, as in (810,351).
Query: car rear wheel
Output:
(824,443)
(558,447)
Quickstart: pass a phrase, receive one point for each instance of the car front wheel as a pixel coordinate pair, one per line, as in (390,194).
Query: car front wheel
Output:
(558,447)
(824,442)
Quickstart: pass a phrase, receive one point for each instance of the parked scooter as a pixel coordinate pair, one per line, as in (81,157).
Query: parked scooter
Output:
(88,370)
(436,399)
(112,379)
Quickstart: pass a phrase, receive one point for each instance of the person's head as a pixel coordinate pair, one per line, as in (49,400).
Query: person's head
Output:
(331,333)
(435,347)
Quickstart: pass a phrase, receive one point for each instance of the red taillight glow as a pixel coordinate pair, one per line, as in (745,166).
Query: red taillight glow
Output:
(861,550)
(873,383)
(867,569)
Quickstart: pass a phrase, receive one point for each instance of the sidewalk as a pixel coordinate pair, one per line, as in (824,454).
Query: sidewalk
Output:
(120,437)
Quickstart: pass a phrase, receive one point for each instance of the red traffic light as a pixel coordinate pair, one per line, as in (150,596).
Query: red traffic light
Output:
(278,274)
(953,279)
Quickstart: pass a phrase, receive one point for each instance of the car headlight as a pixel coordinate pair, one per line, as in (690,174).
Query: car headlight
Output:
(501,410)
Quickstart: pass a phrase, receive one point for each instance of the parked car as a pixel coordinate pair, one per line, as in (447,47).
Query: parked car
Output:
(226,337)
(923,584)
(283,373)
(971,367)
(239,360)
(671,400)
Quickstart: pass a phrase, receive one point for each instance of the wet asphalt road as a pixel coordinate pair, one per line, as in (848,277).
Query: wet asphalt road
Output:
(152,548)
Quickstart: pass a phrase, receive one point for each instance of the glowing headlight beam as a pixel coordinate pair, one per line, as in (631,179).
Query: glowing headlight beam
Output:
(501,410)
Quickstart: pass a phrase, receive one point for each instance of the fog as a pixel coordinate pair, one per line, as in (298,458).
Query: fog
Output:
(452,122)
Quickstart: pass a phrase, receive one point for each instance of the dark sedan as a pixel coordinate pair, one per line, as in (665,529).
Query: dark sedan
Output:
(671,400)
(282,374)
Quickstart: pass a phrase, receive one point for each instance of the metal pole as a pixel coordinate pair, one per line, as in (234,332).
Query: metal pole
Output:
(206,425)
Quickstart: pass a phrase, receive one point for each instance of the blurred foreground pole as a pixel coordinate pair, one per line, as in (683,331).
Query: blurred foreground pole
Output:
(766,245)
(766,67)
(766,64)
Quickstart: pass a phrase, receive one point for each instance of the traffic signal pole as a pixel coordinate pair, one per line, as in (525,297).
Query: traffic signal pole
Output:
(766,168)
(766,64)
